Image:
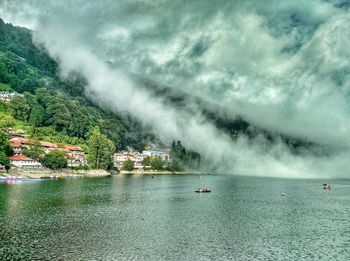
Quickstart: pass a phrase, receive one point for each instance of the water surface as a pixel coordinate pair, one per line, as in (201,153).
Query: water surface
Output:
(144,218)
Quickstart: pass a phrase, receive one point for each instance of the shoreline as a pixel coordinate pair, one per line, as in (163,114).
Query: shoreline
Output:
(65,173)
(133,172)
(52,174)
(69,173)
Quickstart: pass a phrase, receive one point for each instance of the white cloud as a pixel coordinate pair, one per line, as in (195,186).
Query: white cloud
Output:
(284,69)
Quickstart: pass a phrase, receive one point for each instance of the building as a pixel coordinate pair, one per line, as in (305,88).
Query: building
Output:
(15,133)
(135,156)
(6,96)
(164,154)
(75,156)
(21,161)
(16,146)
(47,146)
(2,168)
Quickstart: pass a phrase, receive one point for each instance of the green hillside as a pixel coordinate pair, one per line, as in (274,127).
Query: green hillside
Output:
(52,109)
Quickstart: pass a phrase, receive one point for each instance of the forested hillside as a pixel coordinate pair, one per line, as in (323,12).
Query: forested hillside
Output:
(55,109)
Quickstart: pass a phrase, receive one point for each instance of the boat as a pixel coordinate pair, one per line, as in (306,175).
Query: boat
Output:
(327,186)
(206,190)
(10,178)
(17,179)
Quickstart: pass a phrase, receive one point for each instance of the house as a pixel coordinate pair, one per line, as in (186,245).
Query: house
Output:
(15,133)
(2,168)
(22,161)
(6,96)
(47,146)
(16,146)
(75,150)
(75,156)
(135,156)
(164,154)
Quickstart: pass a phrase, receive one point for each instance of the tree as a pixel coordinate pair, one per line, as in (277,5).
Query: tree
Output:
(4,144)
(156,163)
(36,151)
(4,160)
(3,73)
(146,161)
(101,150)
(21,108)
(182,158)
(6,121)
(58,115)
(55,160)
(36,116)
(128,165)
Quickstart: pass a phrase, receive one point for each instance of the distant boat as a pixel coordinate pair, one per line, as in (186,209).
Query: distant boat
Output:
(11,178)
(327,186)
(202,190)
(17,179)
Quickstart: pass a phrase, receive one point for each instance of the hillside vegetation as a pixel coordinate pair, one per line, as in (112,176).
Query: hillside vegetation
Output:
(52,109)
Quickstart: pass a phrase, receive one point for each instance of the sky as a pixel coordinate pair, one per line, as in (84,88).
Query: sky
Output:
(282,65)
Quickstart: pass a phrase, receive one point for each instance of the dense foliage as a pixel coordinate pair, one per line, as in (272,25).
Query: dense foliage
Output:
(183,158)
(54,160)
(101,150)
(35,152)
(128,165)
(4,160)
(57,110)
(156,163)
(5,146)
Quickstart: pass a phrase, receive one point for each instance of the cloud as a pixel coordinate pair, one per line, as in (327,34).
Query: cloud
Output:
(282,66)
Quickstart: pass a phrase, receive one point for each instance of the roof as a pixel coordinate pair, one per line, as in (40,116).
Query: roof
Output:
(19,139)
(58,149)
(19,157)
(47,144)
(73,148)
(160,151)
(16,144)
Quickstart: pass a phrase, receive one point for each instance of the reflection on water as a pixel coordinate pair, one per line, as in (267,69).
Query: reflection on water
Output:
(137,217)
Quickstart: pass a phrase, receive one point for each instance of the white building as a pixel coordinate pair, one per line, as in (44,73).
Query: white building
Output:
(164,154)
(75,156)
(22,161)
(135,156)
(6,96)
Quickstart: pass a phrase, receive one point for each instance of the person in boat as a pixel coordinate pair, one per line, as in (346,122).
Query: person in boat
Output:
(327,187)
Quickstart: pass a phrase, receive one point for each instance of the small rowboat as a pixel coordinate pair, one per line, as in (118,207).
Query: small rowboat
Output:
(11,178)
(202,190)
(14,179)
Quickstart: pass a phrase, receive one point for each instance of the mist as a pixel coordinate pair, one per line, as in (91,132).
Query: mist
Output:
(283,67)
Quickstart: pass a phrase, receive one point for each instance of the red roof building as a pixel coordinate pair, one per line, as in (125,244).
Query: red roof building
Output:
(22,161)
(73,148)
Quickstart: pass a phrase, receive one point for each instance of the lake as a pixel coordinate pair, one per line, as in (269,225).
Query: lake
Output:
(144,218)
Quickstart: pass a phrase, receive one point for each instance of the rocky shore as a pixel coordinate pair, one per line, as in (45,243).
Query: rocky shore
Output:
(154,172)
(47,173)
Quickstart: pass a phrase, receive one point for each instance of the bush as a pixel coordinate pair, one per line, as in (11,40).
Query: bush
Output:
(55,160)
(4,160)
(156,163)
(128,165)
